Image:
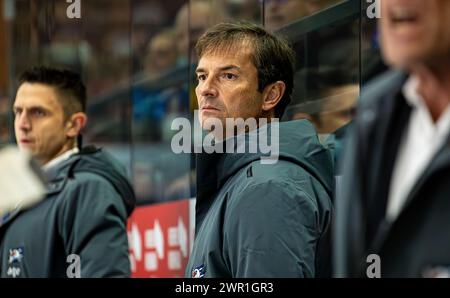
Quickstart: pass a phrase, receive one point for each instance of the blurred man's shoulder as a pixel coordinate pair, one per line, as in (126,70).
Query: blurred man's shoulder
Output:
(386,84)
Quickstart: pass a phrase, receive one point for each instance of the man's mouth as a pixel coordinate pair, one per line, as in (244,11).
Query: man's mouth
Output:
(25,141)
(209,108)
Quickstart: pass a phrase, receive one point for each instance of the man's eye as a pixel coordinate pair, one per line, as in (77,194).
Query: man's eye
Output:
(229,76)
(39,113)
(201,77)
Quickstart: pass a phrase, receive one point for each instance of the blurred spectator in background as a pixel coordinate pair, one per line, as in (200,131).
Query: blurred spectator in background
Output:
(161,54)
(154,108)
(248,10)
(279,13)
(395,191)
(148,18)
(191,22)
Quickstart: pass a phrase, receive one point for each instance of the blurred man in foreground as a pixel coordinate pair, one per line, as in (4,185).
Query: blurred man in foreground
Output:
(395,198)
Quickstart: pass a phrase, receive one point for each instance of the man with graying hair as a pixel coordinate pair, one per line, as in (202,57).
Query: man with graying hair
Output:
(392,216)
(256,219)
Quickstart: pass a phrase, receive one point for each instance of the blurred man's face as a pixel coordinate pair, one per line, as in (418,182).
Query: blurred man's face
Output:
(279,13)
(191,24)
(39,123)
(414,32)
(228,85)
(163,53)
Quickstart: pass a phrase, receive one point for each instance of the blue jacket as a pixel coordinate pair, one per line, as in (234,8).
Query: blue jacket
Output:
(264,220)
(84,213)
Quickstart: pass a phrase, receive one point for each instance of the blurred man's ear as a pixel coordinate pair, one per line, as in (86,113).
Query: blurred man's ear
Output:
(272,94)
(75,124)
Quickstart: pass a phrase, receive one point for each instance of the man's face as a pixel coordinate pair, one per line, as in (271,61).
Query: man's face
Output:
(228,85)
(39,123)
(414,32)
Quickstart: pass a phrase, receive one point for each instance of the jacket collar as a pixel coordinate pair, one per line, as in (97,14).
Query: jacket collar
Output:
(58,175)
(66,155)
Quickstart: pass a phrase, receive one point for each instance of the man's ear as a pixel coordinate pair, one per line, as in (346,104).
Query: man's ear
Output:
(75,124)
(272,95)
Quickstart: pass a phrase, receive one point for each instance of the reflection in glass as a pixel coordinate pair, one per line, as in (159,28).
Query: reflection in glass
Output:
(279,13)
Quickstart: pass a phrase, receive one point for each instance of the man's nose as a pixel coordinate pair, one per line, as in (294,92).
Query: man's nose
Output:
(23,121)
(208,88)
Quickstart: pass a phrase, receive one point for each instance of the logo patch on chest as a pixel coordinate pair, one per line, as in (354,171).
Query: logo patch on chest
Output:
(15,255)
(14,259)
(199,272)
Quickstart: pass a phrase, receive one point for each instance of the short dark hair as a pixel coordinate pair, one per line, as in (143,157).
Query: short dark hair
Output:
(272,56)
(67,83)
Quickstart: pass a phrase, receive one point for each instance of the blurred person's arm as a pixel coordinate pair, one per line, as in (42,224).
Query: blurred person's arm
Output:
(21,182)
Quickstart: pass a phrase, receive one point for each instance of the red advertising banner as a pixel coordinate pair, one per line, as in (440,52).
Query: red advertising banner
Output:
(160,237)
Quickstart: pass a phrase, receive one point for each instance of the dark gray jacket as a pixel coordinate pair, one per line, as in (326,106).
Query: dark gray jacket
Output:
(419,238)
(88,202)
(264,220)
